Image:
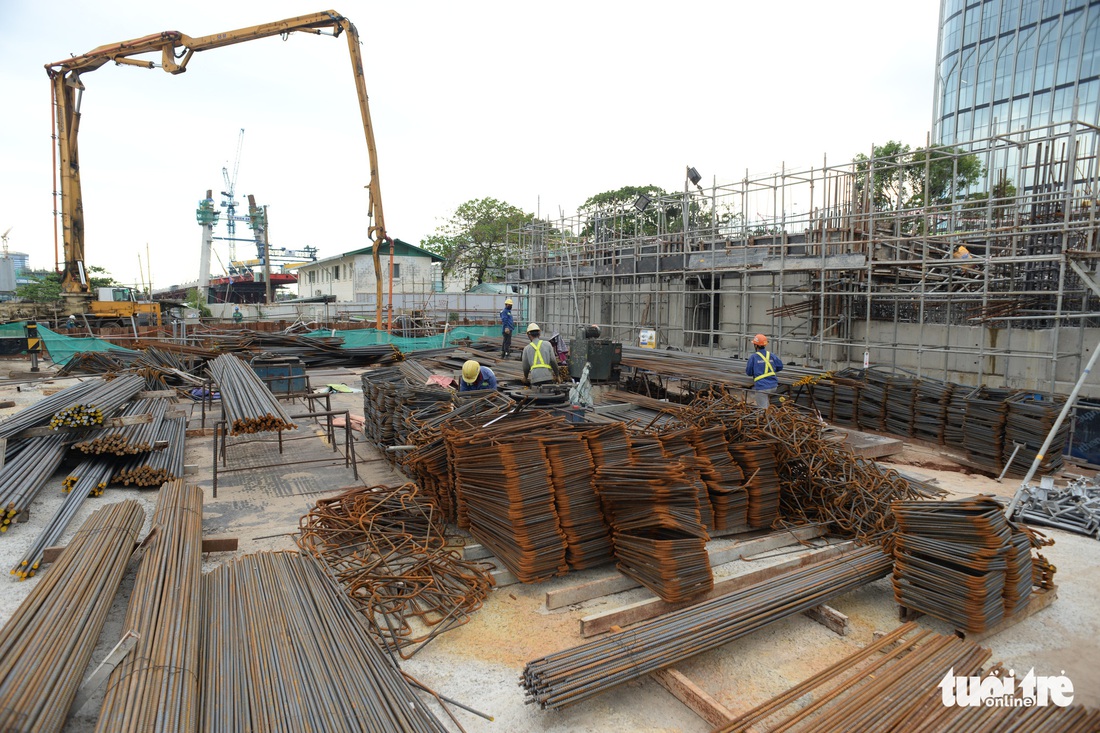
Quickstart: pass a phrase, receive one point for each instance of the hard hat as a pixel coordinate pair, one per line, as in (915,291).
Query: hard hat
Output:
(471,370)
(533,327)
(961,251)
(508,302)
(760,340)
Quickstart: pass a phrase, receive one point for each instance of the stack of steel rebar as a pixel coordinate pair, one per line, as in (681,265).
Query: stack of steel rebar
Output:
(1029,419)
(28,466)
(871,414)
(41,411)
(505,493)
(930,409)
(757,462)
(385,545)
(572,675)
(249,406)
(89,478)
(724,479)
(129,439)
(901,395)
(896,684)
(99,404)
(156,686)
(587,536)
(960,561)
(984,427)
(285,650)
(155,468)
(657,527)
(47,643)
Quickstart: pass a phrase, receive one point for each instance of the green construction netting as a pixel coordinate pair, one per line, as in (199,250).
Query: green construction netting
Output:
(60,347)
(371,337)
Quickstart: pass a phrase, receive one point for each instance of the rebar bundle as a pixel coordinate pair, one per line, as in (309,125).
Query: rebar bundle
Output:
(961,561)
(893,684)
(46,645)
(99,404)
(156,467)
(984,427)
(41,411)
(1028,420)
(285,650)
(28,466)
(88,479)
(758,464)
(572,675)
(156,686)
(724,479)
(506,495)
(129,439)
(386,547)
(587,536)
(248,405)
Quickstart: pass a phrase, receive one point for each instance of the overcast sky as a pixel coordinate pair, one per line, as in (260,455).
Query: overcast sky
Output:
(538,104)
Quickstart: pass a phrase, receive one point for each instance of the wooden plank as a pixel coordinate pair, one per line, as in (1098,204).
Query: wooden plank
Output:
(155,393)
(1038,601)
(3,451)
(830,618)
(702,704)
(6,404)
(599,623)
(870,445)
(199,432)
(615,582)
(213,544)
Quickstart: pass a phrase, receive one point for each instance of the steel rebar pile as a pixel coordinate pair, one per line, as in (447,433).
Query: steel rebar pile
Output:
(893,684)
(248,405)
(1028,421)
(128,440)
(608,444)
(930,409)
(657,529)
(678,444)
(47,643)
(505,492)
(758,463)
(89,479)
(99,404)
(41,411)
(724,479)
(156,467)
(901,395)
(587,536)
(959,561)
(156,686)
(285,650)
(984,427)
(572,675)
(386,547)
(28,466)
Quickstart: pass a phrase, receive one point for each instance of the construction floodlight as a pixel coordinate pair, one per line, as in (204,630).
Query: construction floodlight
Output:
(694,177)
(642,202)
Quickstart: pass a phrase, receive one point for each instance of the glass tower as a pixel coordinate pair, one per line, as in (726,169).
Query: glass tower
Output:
(1004,65)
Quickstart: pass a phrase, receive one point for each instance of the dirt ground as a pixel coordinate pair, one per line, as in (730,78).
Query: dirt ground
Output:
(479,664)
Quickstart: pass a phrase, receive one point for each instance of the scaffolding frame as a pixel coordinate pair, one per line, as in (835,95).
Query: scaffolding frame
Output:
(842,259)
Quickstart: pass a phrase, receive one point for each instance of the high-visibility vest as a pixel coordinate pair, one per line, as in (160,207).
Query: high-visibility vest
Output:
(539,362)
(768,370)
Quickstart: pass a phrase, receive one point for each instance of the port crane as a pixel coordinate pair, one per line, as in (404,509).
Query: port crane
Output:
(176,50)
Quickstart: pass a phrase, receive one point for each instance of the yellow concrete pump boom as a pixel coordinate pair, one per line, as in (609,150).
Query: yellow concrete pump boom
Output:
(176,50)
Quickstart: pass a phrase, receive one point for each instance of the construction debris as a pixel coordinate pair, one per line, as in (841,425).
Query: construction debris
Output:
(1074,508)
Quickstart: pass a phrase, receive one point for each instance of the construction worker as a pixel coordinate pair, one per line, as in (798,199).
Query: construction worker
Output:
(507,324)
(962,253)
(475,377)
(538,358)
(71,323)
(762,366)
(237,315)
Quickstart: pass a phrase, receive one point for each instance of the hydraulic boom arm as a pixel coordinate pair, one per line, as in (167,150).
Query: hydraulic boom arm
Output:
(176,50)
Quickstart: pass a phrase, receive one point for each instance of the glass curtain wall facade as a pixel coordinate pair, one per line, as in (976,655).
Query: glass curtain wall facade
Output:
(1007,65)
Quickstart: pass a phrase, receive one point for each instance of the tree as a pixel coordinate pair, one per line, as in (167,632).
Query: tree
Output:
(46,287)
(889,176)
(614,209)
(476,239)
(194,302)
(949,173)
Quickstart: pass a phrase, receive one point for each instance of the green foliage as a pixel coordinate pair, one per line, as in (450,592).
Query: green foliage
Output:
(46,287)
(475,240)
(194,302)
(614,210)
(901,175)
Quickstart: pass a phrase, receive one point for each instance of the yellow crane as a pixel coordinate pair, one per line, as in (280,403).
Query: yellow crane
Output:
(176,50)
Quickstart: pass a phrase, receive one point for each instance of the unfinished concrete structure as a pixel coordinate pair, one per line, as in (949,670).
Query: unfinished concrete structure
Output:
(836,261)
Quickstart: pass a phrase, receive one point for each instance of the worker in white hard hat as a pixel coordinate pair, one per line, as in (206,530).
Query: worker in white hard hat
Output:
(476,377)
(507,325)
(763,366)
(538,358)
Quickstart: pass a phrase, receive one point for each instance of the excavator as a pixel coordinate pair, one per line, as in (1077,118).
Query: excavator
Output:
(176,50)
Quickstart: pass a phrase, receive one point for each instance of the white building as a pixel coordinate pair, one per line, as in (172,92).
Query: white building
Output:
(349,277)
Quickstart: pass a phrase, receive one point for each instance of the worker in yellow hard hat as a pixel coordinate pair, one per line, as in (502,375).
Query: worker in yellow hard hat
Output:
(538,358)
(763,366)
(507,325)
(475,377)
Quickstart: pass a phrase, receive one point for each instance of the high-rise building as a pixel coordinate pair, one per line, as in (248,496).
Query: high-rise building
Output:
(1004,65)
